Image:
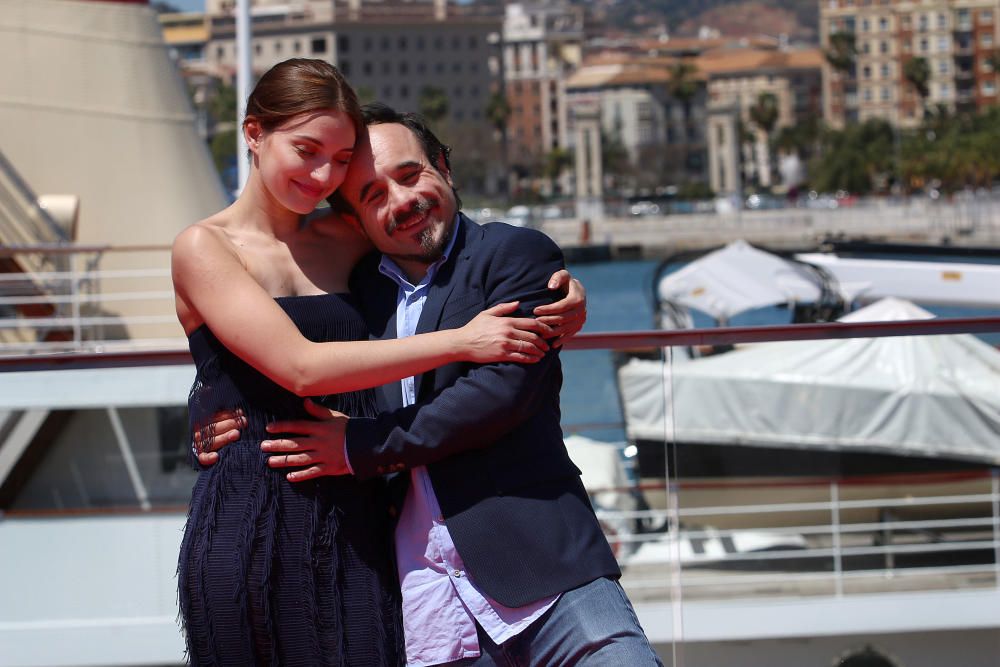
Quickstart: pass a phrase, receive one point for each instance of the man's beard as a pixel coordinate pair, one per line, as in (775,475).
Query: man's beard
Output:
(432,245)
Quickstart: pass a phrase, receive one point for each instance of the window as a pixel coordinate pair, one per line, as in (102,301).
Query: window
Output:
(220,52)
(402,43)
(420,43)
(456,67)
(386,67)
(297,46)
(943,67)
(986,39)
(924,45)
(886,94)
(867,94)
(986,16)
(866,72)
(943,44)
(942,21)
(345,67)
(457,91)
(456,42)
(367,44)
(883,47)
(258,49)
(989,88)
(277,48)
(945,90)
(884,71)
(366,67)
(923,22)
(865,48)
(883,24)
(318,45)
(343,44)
(473,42)
(404,91)
(865,26)
(404,67)
(421,67)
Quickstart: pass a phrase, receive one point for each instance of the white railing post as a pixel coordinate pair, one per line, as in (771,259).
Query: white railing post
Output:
(74,292)
(838,566)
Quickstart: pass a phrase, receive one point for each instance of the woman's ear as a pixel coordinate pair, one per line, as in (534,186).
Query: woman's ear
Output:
(253,133)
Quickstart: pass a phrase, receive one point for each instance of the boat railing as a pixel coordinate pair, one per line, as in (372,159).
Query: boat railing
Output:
(73,298)
(685,554)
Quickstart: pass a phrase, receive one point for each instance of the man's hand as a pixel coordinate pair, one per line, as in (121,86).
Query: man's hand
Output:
(316,444)
(568,315)
(223,430)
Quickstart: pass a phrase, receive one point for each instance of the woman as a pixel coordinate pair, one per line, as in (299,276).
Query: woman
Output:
(272,572)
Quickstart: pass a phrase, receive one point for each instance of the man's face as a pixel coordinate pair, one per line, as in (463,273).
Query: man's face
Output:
(406,205)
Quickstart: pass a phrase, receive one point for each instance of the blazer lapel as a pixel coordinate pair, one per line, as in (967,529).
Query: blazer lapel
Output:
(443,285)
(381,318)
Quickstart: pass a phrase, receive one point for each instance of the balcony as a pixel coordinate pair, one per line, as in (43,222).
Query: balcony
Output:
(753,506)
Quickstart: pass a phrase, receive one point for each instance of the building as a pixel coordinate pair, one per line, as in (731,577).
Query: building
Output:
(661,135)
(738,80)
(542,45)
(871,44)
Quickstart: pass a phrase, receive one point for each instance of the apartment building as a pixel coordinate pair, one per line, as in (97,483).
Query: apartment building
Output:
(737,79)
(542,46)
(390,51)
(958,40)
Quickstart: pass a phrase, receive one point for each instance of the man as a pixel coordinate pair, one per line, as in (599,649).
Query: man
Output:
(500,556)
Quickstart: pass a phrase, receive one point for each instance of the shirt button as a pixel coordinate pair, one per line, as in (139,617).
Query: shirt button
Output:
(457,574)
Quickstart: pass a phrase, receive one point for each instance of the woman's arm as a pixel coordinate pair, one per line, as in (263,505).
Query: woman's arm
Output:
(213,286)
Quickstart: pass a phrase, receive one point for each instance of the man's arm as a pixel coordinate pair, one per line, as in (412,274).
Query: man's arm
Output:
(489,400)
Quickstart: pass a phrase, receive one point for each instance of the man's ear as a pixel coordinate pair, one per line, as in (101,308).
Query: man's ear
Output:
(441,164)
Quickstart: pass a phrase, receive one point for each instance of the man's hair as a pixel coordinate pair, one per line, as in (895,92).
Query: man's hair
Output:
(377,113)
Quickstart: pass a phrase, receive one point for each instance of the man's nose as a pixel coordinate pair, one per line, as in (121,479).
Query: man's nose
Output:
(401,198)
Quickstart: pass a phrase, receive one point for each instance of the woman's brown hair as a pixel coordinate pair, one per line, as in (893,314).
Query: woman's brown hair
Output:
(301,85)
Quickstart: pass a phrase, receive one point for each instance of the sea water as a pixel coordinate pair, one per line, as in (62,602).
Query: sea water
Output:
(620,297)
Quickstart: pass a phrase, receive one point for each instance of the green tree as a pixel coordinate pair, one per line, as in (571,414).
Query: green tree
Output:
(858,158)
(433,104)
(917,71)
(498,115)
(365,94)
(556,162)
(843,52)
(764,114)
(683,87)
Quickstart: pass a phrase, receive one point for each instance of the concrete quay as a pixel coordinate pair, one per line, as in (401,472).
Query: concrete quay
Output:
(961,223)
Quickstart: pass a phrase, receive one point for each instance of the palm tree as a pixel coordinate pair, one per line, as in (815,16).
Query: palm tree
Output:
(843,51)
(556,162)
(498,113)
(918,72)
(683,87)
(433,104)
(765,114)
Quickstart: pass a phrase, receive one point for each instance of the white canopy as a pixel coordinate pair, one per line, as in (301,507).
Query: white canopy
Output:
(738,278)
(918,395)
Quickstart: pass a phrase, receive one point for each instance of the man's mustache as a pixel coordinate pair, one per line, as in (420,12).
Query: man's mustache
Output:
(419,207)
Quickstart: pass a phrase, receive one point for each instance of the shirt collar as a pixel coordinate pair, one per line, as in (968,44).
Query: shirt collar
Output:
(388,267)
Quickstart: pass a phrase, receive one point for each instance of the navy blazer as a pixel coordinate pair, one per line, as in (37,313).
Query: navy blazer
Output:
(489,435)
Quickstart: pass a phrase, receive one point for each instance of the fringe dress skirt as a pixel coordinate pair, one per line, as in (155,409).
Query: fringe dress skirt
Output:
(279,573)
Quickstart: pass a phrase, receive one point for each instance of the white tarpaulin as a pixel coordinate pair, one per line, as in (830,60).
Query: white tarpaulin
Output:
(919,395)
(738,278)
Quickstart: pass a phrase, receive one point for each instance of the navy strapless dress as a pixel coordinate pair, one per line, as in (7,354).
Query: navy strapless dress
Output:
(279,573)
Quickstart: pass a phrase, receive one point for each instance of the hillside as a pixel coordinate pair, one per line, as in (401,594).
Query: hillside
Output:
(683,18)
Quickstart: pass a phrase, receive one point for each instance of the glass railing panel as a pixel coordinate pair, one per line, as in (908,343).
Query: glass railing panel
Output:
(785,491)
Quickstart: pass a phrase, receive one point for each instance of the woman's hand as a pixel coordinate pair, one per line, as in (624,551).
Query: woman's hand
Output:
(490,337)
(568,315)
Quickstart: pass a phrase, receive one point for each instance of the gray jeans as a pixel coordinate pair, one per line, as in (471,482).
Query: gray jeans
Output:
(590,625)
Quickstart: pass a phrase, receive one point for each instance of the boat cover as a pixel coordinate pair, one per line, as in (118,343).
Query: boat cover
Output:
(738,278)
(936,396)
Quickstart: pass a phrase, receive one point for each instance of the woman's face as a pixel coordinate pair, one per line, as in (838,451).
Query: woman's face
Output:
(303,160)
